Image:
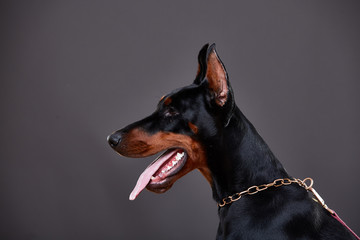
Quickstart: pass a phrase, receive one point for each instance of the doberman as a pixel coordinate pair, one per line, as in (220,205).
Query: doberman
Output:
(200,127)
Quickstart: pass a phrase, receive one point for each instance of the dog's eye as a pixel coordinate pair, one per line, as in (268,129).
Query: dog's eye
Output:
(170,112)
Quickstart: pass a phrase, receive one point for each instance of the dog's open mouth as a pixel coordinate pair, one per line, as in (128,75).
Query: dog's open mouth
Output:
(157,176)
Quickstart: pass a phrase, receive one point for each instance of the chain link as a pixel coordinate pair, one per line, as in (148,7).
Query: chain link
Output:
(276,183)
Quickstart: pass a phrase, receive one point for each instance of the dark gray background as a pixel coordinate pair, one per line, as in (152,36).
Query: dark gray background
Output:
(74,71)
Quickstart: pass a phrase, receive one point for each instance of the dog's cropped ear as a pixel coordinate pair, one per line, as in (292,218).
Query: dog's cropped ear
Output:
(212,74)
(217,77)
(201,64)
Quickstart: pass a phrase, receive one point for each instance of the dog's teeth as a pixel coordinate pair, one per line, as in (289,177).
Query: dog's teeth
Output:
(152,178)
(172,163)
(179,156)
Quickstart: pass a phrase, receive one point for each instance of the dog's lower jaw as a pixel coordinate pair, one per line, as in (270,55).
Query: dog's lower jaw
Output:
(157,189)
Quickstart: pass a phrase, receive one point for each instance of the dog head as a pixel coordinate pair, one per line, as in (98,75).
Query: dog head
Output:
(183,122)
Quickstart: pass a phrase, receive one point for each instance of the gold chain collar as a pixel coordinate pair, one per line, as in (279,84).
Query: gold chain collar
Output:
(276,183)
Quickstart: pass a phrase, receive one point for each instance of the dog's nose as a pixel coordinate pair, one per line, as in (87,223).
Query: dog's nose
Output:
(114,139)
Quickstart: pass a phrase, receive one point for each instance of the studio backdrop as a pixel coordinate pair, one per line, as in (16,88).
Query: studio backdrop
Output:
(72,72)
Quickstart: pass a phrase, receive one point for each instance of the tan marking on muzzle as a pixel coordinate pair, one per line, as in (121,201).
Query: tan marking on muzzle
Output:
(138,143)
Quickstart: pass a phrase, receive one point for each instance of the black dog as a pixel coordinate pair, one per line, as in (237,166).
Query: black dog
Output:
(200,127)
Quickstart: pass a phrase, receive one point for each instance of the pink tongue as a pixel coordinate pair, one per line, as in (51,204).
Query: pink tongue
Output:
(145,177)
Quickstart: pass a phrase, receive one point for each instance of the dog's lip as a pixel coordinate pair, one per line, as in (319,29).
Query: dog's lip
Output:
(160,187)
(181,158)
(160,171)
(164,182)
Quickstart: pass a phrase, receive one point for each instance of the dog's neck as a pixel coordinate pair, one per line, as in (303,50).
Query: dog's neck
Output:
(242,159)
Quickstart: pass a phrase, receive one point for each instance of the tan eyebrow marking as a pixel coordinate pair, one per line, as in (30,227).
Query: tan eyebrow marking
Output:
(167,101)
(193,127)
